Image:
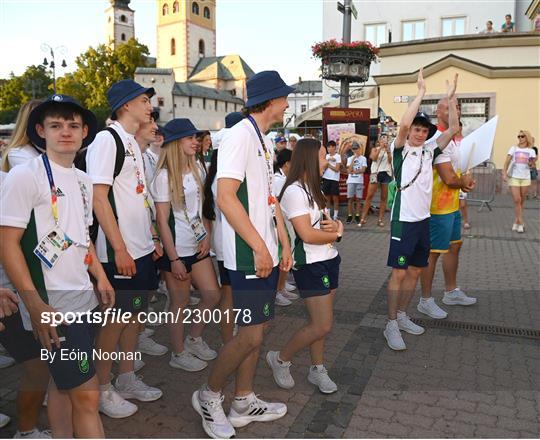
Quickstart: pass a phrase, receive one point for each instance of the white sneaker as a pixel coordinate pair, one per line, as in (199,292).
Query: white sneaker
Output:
(4,420)
(253,409)
(137,364)
(135,388)
(214,421)
(199,348)
(515,227)
(147,332)
(520,229)
(289,287)
(393,336)
(6,361)
(147,345)
(405,324)
(281,300)
(193,300)
(162,288)
(113,405)
(429,307)
(458,297)
(280,370)
(289,295)
(35,433)
(186,361)
(319,377)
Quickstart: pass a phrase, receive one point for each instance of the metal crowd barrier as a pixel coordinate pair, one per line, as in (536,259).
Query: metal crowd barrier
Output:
(485,175)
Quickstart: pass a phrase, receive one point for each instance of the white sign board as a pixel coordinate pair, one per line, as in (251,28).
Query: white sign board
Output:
(477,146)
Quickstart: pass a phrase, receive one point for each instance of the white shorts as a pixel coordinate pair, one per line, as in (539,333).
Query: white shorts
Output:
(355,190)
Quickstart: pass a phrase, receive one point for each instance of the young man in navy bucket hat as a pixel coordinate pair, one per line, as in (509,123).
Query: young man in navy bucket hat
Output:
(251,230)
(47,254)
(126,243)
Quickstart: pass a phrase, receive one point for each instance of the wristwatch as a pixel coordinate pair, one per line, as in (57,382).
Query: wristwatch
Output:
(339,236)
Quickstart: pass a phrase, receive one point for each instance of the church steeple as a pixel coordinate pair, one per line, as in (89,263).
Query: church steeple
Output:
(120,23)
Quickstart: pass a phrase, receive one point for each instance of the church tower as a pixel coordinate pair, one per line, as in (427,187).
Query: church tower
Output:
(186,32)
(120,24)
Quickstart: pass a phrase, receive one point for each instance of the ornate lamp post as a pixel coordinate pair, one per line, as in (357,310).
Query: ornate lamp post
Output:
(62,51)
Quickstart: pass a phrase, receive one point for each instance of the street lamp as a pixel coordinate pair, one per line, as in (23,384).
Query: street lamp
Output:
(62,51)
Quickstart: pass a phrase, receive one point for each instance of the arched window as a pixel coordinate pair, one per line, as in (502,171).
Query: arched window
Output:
(123,37)
(123,19)
(165,9)
(206,12)
(195,8)
(173,47)
(201,48)
(176,8)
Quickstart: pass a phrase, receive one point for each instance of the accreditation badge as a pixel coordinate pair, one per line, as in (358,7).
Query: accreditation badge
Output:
(198,228)
(51,246)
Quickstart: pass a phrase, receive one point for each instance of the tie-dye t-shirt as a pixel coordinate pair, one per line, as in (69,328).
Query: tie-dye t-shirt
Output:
(520,162)
(445,199)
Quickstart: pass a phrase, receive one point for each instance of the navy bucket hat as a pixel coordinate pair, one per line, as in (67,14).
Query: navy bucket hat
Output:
(423,119)
(232,119)
(36,116)
(124,91)
(177,129)
(264,86)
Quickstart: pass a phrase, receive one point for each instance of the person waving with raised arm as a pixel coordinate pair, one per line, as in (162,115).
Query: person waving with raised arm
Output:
(412,160)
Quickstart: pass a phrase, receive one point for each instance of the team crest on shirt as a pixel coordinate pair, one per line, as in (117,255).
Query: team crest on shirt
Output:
(266,309)
(84,366)
(137,302)
(326,281)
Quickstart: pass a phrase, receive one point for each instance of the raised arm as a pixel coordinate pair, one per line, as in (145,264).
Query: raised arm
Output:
(410,113)
(453,122)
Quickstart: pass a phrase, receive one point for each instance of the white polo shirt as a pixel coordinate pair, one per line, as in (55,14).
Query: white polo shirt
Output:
(241,157)
(133,217)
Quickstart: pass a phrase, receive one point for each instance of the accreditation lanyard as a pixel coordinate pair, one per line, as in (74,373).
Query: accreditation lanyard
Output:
(54,208)
(269,170)
(141,187)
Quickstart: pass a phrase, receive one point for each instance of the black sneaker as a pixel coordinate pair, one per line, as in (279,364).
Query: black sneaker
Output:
(357,219)
(349,219)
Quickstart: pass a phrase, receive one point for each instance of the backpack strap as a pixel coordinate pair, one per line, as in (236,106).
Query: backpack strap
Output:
(120,151)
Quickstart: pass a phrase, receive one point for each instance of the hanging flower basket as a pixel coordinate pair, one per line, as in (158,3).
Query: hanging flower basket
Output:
(345,60)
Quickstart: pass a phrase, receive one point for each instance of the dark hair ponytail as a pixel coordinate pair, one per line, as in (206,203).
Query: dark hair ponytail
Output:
(208,203)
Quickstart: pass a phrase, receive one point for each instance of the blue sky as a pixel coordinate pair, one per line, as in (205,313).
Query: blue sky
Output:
(268,34)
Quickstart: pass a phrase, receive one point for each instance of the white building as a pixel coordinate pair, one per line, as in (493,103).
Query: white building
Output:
(120,23)
(307,95)
(206,107)
(383,22)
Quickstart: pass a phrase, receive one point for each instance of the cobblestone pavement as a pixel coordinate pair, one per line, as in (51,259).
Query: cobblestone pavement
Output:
(450,382)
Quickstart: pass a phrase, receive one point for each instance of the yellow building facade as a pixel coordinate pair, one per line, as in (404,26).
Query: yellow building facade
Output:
(498,75)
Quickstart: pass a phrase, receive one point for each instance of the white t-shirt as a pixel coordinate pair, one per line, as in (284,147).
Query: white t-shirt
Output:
(294,203)
(150,161)
(20,155)
(26,203)
(357,163)
(279,181)
(520,158)
(381,164)
(184,239)
(333,160)
(133,217)
(217,234)
(241,157)
(4,280)
(413,202)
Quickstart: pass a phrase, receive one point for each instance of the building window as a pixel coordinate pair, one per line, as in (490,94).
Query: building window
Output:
(123,37)
(195,8)
(216,106)
(160,102)
(190,101)
(375,33)
(303,108)
(176,8)
(123,19)
(204,103)
(206,12)
(474,111)
(201,48)
(453,26)
(109,20)
(173,46)
(413,30)
(165,9)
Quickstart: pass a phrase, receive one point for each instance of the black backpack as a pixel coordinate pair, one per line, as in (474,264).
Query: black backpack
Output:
(80,163)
